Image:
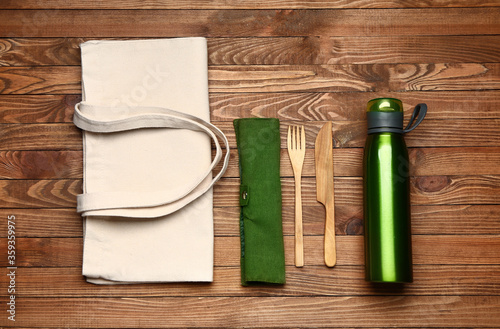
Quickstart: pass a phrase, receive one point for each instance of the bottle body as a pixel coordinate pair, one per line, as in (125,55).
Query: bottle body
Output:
(387,228)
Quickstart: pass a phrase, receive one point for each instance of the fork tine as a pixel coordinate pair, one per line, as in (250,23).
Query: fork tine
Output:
(296,139)
(297,136)
(303,139)
(288,140)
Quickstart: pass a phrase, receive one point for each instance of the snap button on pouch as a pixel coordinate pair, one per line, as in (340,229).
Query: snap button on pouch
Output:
(244,197)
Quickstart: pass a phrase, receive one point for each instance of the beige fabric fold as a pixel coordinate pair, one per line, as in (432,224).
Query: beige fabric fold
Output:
(147,198)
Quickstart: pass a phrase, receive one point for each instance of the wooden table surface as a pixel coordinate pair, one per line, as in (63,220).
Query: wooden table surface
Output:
(302,61)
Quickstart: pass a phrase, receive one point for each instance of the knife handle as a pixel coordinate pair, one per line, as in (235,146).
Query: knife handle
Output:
(330,249)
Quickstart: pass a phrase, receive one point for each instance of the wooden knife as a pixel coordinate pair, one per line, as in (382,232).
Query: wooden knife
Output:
(323,155)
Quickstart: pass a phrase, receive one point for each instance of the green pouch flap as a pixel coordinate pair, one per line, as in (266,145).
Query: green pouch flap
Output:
(261,230)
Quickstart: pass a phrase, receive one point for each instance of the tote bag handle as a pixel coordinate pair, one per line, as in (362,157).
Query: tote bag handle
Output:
(149,117)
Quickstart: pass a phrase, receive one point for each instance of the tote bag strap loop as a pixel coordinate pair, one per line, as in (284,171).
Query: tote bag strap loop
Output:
(148,117)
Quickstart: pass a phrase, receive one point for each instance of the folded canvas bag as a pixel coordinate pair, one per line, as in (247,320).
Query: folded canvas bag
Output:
(147,185)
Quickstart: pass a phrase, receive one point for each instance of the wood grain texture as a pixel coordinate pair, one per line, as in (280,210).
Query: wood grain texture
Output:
(39,80)
(264,23)
(40,137)
(433,190)
(409,49)
(307,106)
(303,62)
(432,133)
(39,193)
(39,164)
(30,52)
(286,50)
(346,280)
(424,190)
(427,250)
(37,109)
(401,311)
(319,106)
(48,222)
(366,78)
(285,78)
(426,220)
(237,4)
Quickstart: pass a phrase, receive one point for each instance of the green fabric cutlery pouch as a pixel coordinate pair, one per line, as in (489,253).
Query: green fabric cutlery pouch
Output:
(261,230)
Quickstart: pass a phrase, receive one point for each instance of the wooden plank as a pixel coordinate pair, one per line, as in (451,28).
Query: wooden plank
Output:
(347,162)
(341,78)
(372,311)
(427,250)
(279,59)
(430,190)
(286,78)
(426,219)
(221,51)
(286,50)
(350,106)
(15,137)
(43,222)
(308,281)
(37,108)
(455,161)
(39,193)
(41,164)
(431,133)
(465,219)
(235,4)
(307,106)
(433,220)
(228,23)
(33,52)
(40,80)
(446,190)
(409,49)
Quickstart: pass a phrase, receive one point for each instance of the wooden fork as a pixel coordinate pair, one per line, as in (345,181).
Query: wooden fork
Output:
(296,151)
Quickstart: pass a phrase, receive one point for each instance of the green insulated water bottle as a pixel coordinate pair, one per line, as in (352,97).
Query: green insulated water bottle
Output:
(388,256)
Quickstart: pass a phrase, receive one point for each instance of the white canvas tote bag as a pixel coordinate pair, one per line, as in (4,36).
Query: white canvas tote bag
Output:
(147,185)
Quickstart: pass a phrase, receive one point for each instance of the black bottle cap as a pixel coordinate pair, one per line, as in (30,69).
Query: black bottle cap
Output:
(386,115)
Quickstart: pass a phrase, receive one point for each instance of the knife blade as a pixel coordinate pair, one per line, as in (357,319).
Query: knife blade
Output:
(323,155)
